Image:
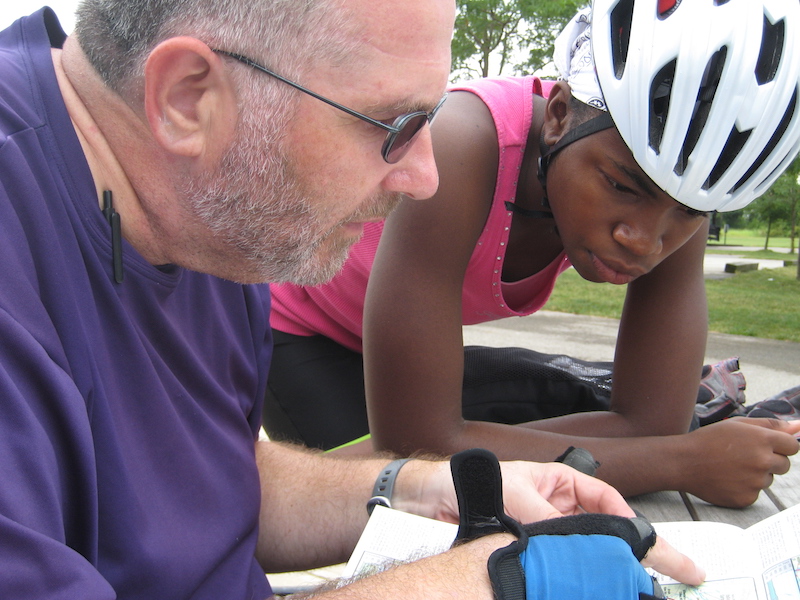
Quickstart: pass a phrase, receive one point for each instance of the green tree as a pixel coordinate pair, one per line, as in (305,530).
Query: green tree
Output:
(770,210)
(516,34)
(545,23)
(777,209)
(792,174)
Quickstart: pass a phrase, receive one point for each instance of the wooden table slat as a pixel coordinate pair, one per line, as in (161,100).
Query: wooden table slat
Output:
(787,487)
(661,506)
(742,517)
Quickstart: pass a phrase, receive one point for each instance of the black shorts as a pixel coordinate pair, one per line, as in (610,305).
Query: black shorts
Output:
(315,392)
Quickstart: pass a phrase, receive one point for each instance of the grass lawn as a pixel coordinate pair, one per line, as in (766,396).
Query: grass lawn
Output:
(748,238)
(764,303)
(769,254)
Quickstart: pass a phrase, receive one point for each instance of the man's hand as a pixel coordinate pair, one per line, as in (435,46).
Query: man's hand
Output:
(730,462)
(536,491)
(532,492)
(561,491)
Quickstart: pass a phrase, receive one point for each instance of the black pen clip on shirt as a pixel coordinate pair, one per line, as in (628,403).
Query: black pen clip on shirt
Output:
(113,218)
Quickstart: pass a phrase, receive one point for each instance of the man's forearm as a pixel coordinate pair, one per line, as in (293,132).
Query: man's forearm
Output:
(306,521)
(459,573)
(314,505)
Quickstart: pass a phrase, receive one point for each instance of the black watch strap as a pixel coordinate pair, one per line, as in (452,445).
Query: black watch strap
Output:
(384,485)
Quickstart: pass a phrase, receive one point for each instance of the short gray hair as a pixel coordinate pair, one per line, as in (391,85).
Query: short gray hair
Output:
(289,35)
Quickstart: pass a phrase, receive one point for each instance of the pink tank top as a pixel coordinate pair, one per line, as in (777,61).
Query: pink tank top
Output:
(335,309)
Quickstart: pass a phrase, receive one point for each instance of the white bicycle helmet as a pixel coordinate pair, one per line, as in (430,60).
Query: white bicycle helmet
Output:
(703,92)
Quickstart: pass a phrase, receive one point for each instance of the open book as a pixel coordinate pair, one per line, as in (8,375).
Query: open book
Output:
(393,537)
(761,562)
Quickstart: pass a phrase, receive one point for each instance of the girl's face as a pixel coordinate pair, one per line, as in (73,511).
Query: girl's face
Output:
(615,223)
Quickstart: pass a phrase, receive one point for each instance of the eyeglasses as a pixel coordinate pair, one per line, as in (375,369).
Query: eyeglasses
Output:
(401,132)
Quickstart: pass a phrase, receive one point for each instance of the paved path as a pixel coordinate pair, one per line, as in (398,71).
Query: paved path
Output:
(714,264)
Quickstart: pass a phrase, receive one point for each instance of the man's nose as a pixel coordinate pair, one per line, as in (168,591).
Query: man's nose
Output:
(415,175)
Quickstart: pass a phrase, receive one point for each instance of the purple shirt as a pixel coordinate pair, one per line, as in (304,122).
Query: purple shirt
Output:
(128,412)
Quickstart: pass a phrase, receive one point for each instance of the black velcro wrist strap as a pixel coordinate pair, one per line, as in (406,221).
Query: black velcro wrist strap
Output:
(506,572)
(658,592)
(479,490)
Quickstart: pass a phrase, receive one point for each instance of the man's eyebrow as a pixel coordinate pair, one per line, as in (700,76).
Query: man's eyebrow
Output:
(638,178)
(401,107)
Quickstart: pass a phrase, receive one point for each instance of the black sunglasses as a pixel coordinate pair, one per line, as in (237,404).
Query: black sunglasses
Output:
(401,132)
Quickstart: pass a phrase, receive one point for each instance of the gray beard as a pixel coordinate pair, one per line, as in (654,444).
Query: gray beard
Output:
(258,205)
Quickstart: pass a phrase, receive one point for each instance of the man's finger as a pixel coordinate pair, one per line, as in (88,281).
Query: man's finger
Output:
(596,496)
(666,560)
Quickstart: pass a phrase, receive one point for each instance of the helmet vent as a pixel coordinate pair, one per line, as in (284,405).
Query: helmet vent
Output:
(771,51)
(621,18)
(776,137)
(702,106)
(736,141)
(660,91)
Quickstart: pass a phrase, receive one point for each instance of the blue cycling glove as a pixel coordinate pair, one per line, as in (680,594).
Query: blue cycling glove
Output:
(576,557)
(569,566)
(582,556)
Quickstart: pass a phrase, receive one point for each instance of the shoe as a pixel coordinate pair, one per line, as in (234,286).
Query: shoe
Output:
(784,405)
(721,394)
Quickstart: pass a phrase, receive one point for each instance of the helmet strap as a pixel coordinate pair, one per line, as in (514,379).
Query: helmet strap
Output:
(526,212)
(599,123)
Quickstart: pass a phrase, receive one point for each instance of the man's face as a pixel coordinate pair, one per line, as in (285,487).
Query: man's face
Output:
(259,203)
(292,206)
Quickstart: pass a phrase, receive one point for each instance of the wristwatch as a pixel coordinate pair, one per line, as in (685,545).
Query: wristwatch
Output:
(384,484)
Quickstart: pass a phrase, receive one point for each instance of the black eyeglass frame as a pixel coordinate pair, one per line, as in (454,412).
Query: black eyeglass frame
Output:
(393,130)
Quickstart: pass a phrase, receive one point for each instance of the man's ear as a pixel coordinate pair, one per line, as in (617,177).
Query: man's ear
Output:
(557,112)
(189,98)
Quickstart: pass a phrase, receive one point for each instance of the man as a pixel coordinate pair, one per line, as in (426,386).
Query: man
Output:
(152,176)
